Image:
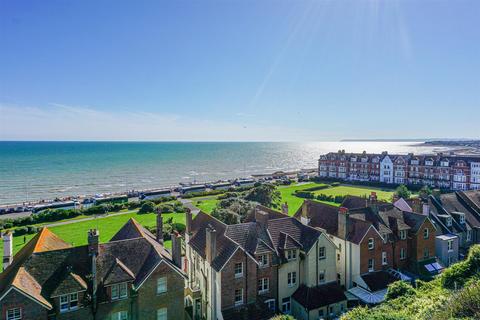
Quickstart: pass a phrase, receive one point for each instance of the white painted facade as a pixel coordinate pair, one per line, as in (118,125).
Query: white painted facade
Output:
(386,170)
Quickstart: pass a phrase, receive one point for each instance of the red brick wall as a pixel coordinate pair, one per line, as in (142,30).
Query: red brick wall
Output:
(418,243)
(376,253)
(30,309)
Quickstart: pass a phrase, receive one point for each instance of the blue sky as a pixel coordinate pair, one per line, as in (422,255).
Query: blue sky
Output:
(239,70)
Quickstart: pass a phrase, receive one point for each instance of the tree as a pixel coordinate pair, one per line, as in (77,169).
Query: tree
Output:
(265,194)
(425,192)
(403,192)
(399,289)
(147,207)
(233,210)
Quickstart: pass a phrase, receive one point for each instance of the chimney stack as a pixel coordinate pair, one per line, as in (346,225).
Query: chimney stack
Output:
(177,249)
(261,217)
(342,222)
(159,226)
(304,217)
(285,208)
(7,249)
(211,244)
(93,236)
(93,246)
(426,209)
(188,221)
(436,193)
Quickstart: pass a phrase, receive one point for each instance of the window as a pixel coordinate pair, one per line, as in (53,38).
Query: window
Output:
(14,314)
(286,305)
(321,314)
(425,233)
(162,314)
(371,265)
(161,285)
(384,258)
(270,304)
(263,285)
(469,235)
(385,238)
(462,218)
(321,276)
(426,253)
(238,297)
(450,245)
(321,253)
(263,260)
(338,256)
(121,315)
(69,302)
(119,291)
(239,270)
(291,255)
(403,234)
(449,221)
(402,254)
(291,279)
(371,243)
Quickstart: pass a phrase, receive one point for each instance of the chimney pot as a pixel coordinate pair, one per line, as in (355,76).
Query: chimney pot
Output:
(261,217)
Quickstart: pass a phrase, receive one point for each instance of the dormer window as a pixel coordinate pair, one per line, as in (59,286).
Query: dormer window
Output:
(462,218)
(371,244)
(429,162)
(469,236)
(385,238)
(68,302)
(403,234)
(263,260)
(291,254)
(119,291)
(444,163)
(449,221)
(425,233)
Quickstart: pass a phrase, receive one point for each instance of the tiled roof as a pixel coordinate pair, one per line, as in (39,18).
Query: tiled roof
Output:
(321,215)
(312,298)
(291,232)
(453,203)
(272,214)
(46,269)
(352,202)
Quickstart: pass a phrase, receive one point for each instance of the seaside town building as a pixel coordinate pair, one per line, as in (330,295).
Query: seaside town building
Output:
(271,263)
(130,277)
(376,241)
(454,172)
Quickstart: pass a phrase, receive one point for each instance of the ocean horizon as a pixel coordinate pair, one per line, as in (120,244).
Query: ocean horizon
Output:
(36,170)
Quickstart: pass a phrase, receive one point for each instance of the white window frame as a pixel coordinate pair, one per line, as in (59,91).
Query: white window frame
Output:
(291,255)
(120,315)
(238,302)
(426,250)
(162,285)
(70,302)
(238,274)
(322,279)
(403,234)
(270,304)
(426,233)
(462,219)
(291,279)
(13,314)
(371,243)
(469,236)
(322,253)
(450,245)
(119,291)
(162,314)
(286,305)
(403,254)
(372,268)
(263,261)
(384,258)
(263,285)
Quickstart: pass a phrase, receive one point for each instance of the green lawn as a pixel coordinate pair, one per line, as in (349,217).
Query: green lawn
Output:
(206,205)
(76,233)
(294,203)
(356,191)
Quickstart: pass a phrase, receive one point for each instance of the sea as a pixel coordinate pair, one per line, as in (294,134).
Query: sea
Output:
(32,171)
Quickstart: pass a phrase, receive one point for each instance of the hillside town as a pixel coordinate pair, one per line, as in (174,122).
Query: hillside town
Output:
(315,262)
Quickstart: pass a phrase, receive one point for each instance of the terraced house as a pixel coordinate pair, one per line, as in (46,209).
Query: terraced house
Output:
(130,277)
(271,263)
(450,171)
(375,241)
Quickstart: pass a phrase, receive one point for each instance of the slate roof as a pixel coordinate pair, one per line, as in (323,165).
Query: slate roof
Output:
(378,280)
(453,203)
(279,233)
(47,266)
(312,298)
(352,202)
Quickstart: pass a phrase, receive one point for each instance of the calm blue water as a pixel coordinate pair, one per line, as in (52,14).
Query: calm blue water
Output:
(45,170)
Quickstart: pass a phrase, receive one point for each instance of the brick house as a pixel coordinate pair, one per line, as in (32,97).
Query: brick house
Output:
(375,240)
(251,270)
(455,172)
(130,277)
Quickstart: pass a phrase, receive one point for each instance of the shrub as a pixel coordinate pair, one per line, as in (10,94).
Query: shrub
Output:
(147,207)
(399,289)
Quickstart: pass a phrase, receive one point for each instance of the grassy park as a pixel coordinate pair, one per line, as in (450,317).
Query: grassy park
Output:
(76,233)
